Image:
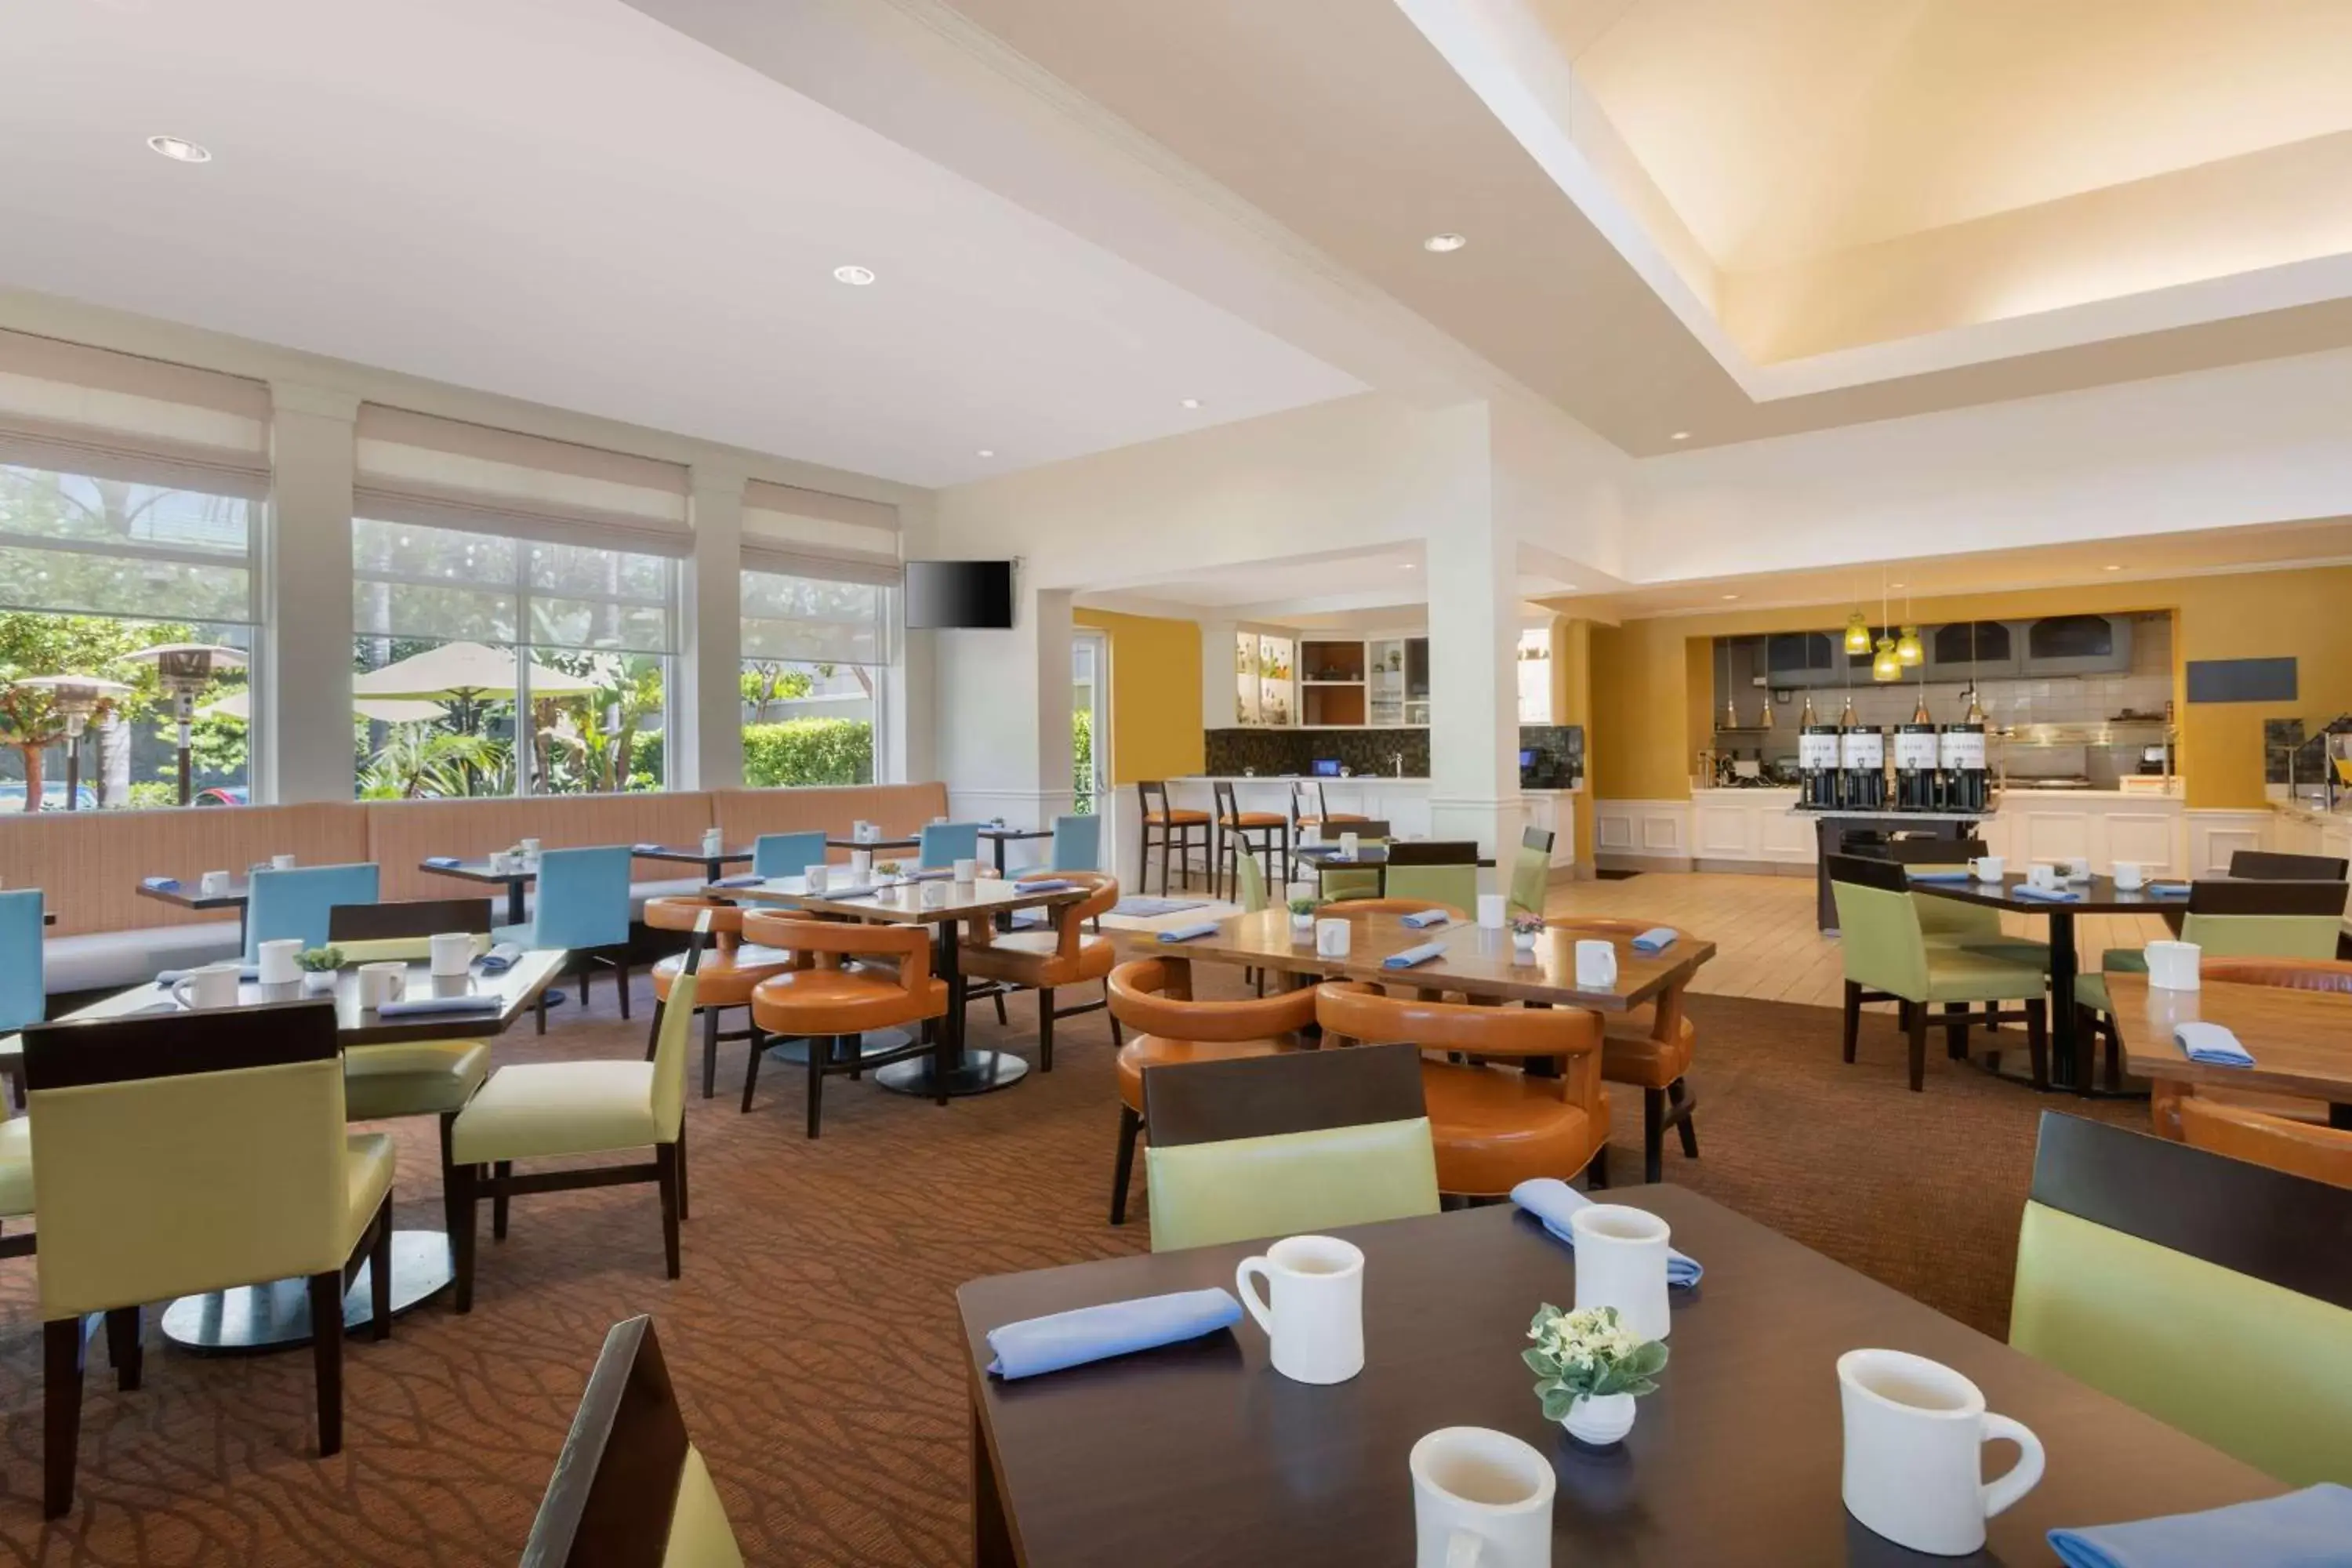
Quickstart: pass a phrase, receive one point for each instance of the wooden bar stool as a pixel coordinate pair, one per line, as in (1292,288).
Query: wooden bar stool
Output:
(1311,809)
(1173,830)
(1233,838)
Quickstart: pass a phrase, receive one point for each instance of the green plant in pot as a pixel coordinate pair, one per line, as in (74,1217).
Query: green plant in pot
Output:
(1590,1368)
(319,965)
(1302,916)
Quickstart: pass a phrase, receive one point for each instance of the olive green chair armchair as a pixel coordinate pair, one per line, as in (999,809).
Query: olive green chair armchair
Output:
(1887,957)
(1442,873)
(1352,882)
(1531,872)
(2138,1256)
(1273,1145)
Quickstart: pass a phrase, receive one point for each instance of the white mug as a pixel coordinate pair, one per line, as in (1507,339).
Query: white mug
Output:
(1620,1262)
(2173,965)
(1987,868)
(282,862)
(1596,964)
(1331,938)
(381,983)
(530,847)
(212,884)
(934,894)
(2042,874)
(714,842)
(452,953)
(276,958)
(1480,1500)
(967,870)
(212,985)
(1313,1311)
(2130,877)
(813,877)
(1310,834)
(1492,909)
(1349,844)
(1912,1430)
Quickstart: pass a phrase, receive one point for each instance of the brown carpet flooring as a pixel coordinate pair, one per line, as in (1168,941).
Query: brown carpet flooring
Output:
(813,1337)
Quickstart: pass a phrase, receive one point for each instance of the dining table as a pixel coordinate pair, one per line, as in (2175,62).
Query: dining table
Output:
(2301,1040)
(713,866)
(936,900)
(516,878)
(996,837)
(1200,1453)
(274,1316)
(1327,856)
(237,894)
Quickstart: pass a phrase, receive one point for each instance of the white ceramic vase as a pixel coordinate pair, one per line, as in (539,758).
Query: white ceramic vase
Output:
(1523,942)
(1600,1420)
(315,981)
(1302,927)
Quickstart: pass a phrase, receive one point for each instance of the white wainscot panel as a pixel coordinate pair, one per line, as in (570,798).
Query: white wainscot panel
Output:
(2146,837)
(2056,835)
(1662,833)
(1725,832)
(2215,835)
(1786,836)
(1612,827)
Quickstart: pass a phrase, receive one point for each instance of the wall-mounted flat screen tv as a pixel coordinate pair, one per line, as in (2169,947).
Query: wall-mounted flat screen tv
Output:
(942,594)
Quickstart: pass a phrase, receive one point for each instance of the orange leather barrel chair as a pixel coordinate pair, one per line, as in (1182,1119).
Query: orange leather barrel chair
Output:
(1153,997)
(861,977)
(2243,1133)
(1649,1048)
(2250,1125)
(728,972)
(1048,961)
(1495,1125)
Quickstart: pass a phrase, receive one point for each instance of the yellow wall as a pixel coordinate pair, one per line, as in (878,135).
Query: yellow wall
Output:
(1650,686)
(1571,703)
(1155,695)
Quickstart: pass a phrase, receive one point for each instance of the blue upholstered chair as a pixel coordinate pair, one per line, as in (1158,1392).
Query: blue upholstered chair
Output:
(945,843)
(786,854)
(583,906)
(1078,844)
(22,1000)
(295,903)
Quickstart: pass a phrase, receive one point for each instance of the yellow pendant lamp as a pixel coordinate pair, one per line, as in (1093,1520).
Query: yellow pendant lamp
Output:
(1857,633)
(1908,651)
(1887,665)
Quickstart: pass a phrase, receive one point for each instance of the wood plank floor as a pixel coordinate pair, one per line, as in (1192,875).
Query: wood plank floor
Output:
(1766,946)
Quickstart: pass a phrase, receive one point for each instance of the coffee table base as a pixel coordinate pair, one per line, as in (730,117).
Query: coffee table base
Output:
(251,1319)
(873,1043)
(982,1072)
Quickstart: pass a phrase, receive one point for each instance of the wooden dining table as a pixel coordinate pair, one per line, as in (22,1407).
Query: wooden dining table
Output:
(1200,1453)
(2301,1040)
(237,894)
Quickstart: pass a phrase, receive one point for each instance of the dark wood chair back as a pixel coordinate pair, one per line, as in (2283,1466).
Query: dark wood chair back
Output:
(2271,866)
(1153,794)
(2234,897)
(76,1053)
(415,917)
(1869,871)
(1539,838)
(1298,1091)
(610,1502)
(1924,851)
(1369,830)
(1434,852)
(1228,804)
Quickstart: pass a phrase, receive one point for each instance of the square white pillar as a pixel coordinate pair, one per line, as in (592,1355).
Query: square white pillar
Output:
(1471,569)
(705,744)
(302,715)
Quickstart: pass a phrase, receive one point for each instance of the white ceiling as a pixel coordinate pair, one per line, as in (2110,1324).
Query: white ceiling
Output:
(1332,591)
(565,201)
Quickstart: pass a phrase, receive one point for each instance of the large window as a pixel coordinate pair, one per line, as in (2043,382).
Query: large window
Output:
(814,652)
(495,665)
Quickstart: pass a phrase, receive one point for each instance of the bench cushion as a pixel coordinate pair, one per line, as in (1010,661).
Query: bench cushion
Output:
(110,960)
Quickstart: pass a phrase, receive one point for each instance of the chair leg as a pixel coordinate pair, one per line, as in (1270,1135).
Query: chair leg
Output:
(62,1365)
(449,1175)
(2037,1040)
(1992,1018)
(464,1181)
(586,963)
(621,983)
(752,1065)
(1676,1093)
(709,1052)
(122,1349)
(684,1188)
(653,1030)
(542,1012)
(1852,1017)
(1045,1030)
(1654,1134)
(1002,1021)
(820,1046)
(1596,1170)
(380,1273)
(1118,1039)
(327,1357)
(851,1050)
(1122,1170)
(1916,1025)
(666,1164)
(499,1172)
(1955,1030)
(2114,1050)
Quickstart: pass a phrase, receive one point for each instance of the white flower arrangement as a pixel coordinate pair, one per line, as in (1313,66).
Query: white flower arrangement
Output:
(1588,1353)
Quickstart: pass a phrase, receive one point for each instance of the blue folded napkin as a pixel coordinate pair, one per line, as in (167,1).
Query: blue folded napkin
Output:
(1941,874)
(1414,957)
(411,1005)
(2168,889)
(2301,1529)
(251,971)
(500,958)
(1554,1202)
(1048,885)
(2047,895)
(161,884)
(1116,1328)
(1423,918)
(442,860)
(1186,933)
(748,879)
(1657,939)
(646,848)
(2211,1043)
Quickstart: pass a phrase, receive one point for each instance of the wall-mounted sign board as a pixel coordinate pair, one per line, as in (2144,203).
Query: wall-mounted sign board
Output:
(2241,681)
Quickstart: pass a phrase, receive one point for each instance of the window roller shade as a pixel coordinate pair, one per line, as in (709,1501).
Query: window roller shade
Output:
(71,408)
(803,532)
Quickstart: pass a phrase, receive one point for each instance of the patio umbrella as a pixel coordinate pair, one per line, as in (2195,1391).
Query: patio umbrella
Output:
(238,705)
(465,672)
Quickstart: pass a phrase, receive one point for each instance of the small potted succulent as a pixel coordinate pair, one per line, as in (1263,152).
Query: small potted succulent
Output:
(1524,927)
(886,868)
(1590,1368)
(319,965)
(1302,918)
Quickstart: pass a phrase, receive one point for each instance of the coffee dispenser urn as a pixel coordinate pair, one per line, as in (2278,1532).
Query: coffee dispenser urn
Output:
(1962,782)
(1818,761)
(1861,776)
(1918,757)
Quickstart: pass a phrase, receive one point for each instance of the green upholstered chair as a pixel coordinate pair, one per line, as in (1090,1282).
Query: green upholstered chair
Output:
(1444,873)
(1956,922)
(190,1152)
(564,1110)
(2213,1294)
(2235,919)
(1273,1145)
(630,1489)
(1530,872)
(15,1184)
(1888,957)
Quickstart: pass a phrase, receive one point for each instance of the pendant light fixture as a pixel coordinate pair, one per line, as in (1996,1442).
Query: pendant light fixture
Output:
(1730,701)
(1885,667)
(1908,651)
(1806,720)
(1764,714)
(1857,629)
(1975,713)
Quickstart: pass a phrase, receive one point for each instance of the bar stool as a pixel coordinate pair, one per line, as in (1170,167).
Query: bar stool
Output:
(1322,814)
(1233,839)
(1174,833)
(730,970)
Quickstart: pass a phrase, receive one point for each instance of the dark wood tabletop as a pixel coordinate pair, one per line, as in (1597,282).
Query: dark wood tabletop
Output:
(688,855)
(878,844)
(1327,856)
(2301,1040)
(187,898)
(483,871)
(1015,834)
(1201,1454)
(2098,896)
(1477,961)
(509,997)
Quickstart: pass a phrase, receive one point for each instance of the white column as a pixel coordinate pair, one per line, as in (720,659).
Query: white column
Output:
(705,745)
(302,722)
(1471,569)
(1003,711)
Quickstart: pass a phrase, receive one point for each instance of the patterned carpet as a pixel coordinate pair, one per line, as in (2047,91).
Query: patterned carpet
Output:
(813,1338)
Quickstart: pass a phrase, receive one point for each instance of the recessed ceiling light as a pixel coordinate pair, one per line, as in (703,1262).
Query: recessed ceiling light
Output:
(1404,565)
(1441,243)
(178,148)
(1731,596)
(1188,403)
(856,276)
(985,452)
(1898,585)
(2111,568)
(1679,436)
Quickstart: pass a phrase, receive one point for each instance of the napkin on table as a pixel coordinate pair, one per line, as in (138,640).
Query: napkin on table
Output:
(251,971)
(2168,889)
(442,860)
(645,848)
(1414,957)
(1116,1328)
(2211,1043)
(1046,885)
(2047,895)
(501,958)
(1657,939)
(1422,920)
(2301,1530)
(748,879)
(1187,933)
(1553,1201)
(410,1005)
(161,884)
(1945,874)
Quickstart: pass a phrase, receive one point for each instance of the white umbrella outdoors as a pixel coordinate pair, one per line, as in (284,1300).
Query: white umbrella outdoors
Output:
(238,705)
(465,672)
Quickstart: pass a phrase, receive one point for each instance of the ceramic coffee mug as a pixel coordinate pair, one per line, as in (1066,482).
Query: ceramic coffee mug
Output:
(1480,1500)
(1349,844)
(714,842)
(282,862)
(1620,1262)
(1913,1429)
(530,847)
(2130,877)
(2042,874)
(1596,964)
(2174,965)
(813,877)
(1313,1311)
(381,983)
(1332,937)
(213,986)
(967,870)
(276,961)
(212,884)
(1492,909)
(1987,868)
(452,953)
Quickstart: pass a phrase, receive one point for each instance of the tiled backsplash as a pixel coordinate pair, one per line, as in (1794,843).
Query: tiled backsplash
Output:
(1560,749)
